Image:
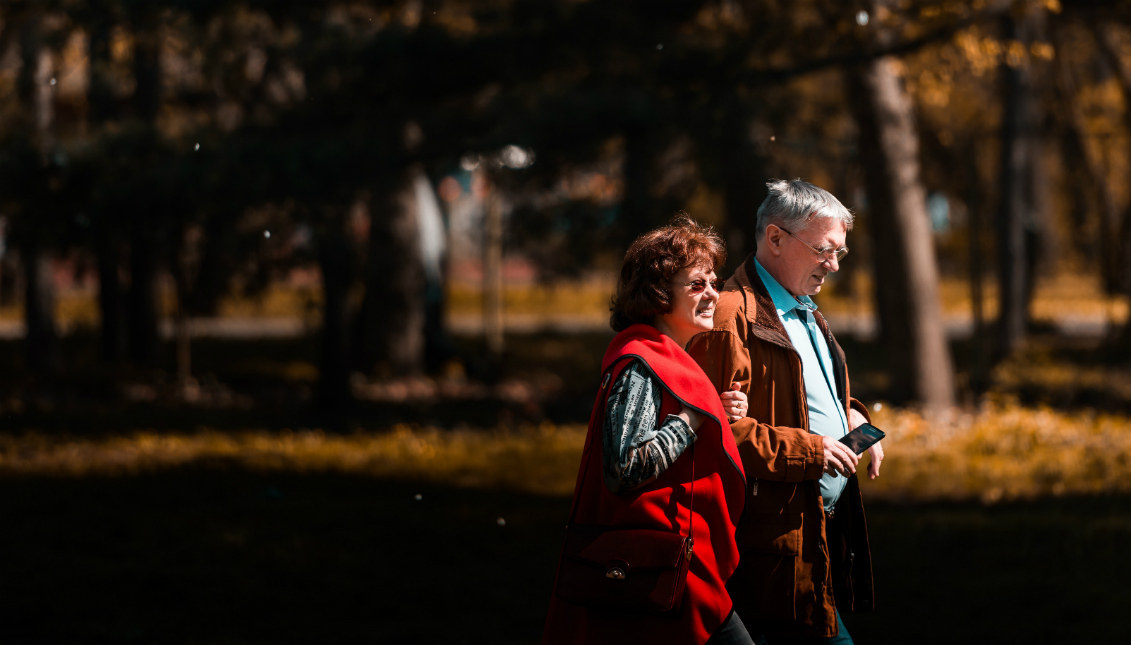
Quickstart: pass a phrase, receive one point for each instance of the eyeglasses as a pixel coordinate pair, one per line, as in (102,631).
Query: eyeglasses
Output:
(697,286)
(825,252)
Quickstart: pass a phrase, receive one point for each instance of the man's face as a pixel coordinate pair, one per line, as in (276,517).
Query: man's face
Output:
(799,268)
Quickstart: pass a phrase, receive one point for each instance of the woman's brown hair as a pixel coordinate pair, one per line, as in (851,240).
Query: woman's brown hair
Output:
(644,289)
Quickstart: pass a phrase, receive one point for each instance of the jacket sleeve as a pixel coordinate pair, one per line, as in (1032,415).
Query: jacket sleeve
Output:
(775,453)
(638,447)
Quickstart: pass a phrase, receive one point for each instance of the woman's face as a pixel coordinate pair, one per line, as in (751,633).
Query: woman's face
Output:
(693,305)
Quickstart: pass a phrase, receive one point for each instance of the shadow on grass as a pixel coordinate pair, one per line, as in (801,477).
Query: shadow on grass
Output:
(226,556)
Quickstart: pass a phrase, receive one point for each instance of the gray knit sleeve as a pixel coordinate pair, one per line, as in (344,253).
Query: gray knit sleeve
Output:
(636,451)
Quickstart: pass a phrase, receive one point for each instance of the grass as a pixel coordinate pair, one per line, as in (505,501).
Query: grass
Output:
(1002,452)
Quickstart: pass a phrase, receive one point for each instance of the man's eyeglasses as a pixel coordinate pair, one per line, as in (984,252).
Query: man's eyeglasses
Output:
(697,286)
(825,252)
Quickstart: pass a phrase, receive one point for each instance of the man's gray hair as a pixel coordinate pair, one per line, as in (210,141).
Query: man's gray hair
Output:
(792,204)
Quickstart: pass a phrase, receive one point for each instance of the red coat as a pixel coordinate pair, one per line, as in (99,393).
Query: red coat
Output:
(720,487)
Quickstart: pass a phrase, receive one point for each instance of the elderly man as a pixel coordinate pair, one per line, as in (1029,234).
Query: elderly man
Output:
(803,540)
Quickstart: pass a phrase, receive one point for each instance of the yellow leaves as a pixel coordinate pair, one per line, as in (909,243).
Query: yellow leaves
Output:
(1002,452)
(540,459)
(982,53)
(1042,51)
(1015,53)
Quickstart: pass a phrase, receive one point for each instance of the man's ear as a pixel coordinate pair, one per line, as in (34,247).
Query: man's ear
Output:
(773,239)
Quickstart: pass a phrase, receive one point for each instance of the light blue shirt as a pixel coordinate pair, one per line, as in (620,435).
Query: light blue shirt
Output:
(826,414)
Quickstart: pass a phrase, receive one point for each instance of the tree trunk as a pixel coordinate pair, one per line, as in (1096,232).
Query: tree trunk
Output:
(107,246)
(744,187)
(637,206)
(142,297)
(1014,218)
(393,309)
(41,342)
(109,293)
(1111,51)
(906,274)
(974,247)
(493,276)
(100,93)
(334,255)
(1098,192)
(37,96)
(141,303)
(185,270)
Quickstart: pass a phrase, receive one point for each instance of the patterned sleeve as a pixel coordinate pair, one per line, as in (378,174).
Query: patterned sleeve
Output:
(636,451)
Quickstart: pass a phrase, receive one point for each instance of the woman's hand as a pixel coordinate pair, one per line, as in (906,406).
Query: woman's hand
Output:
(734,403)
(693,418)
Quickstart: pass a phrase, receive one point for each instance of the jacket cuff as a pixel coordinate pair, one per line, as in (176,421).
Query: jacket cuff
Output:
(814,464)
(854,404)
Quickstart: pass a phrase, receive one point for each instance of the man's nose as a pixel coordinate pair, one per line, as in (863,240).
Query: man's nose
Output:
(833,264)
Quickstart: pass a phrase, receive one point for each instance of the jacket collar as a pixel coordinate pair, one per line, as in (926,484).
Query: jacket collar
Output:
(763,316)
(760,308)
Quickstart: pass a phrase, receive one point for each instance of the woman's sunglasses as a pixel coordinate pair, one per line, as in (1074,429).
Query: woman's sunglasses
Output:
(697,286)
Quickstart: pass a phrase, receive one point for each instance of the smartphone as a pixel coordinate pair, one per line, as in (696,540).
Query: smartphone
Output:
(862,437)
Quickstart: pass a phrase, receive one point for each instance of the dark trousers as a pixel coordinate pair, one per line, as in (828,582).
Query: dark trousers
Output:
(731,632)
(842,638)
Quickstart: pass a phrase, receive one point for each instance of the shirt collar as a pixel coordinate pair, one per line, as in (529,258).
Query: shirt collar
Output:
(784,301)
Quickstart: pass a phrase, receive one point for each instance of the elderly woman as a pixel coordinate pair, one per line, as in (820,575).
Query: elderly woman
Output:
(650,543)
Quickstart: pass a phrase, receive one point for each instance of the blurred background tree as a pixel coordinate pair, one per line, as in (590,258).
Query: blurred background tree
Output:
(177,155)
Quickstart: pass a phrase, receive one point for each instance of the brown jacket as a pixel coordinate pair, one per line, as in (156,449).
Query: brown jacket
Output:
(791,562)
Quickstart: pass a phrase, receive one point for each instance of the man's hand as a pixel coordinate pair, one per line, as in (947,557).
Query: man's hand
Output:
(876,452)
(838,458)
(734,403)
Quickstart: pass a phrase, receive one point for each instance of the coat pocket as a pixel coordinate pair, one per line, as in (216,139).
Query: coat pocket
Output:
(765,584)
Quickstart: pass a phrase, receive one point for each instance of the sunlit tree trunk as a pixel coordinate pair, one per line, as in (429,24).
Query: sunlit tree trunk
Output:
(906,273)
(393,309)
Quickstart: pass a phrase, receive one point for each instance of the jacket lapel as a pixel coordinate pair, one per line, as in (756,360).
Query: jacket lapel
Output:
(760,309)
